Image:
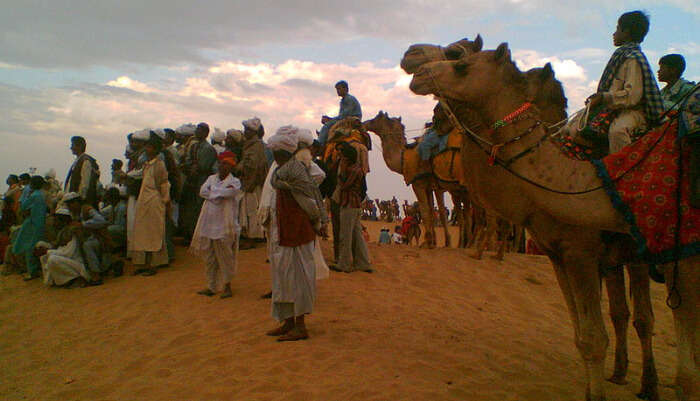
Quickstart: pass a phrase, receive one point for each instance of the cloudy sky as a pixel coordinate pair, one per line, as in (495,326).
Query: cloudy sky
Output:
(105,68)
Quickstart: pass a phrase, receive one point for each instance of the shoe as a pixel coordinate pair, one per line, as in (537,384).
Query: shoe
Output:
(206,292)
(267,296)
(28,276)
(370,270)
(149,272)
(335,268)
(117,268)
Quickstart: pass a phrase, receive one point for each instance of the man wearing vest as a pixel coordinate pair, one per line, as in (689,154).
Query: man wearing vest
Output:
(83,174)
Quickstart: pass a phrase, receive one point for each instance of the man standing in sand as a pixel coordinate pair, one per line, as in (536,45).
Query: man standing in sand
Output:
(300,216)
(252,171)
(83,174)
(216,236)
(349,194)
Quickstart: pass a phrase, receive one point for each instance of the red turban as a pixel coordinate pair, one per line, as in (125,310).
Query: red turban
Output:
(227,157)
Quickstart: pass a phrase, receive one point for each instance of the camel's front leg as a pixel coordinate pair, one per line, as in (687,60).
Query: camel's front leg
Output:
(644,324)
(620,316)
(686,316)
(582,273)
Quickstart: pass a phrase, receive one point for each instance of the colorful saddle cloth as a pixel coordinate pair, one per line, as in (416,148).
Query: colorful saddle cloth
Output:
(642,181)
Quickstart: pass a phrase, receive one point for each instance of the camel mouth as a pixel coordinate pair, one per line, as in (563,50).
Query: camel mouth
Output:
(412,60)
(421,84)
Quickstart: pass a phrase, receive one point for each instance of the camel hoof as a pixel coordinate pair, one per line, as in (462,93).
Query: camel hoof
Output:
(651,395)
(618,379)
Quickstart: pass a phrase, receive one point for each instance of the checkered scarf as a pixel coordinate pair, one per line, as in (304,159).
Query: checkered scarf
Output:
(653,105)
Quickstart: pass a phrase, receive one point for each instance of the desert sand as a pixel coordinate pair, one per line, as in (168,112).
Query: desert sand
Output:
(427,325)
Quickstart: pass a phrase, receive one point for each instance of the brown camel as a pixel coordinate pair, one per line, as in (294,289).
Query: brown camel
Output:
(567,227)
(414,58)
(404,160)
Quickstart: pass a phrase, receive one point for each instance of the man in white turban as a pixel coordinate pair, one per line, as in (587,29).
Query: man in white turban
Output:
(218,139)
(296,216)
(252,170)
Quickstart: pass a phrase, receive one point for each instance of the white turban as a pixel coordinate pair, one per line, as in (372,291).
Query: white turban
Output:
(70,196)
(283,142)
(160,132)
(287,130)
(186,129)
(218,135)
(253,124)
(305,136)
(50,174)
(63,212)
(235,134)
(143,135)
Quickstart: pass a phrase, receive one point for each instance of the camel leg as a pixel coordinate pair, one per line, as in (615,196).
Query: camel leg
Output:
(644,325)
(592,343)
(465,222)
(620,316)
(485,236)
(425,204)
(687,322)
(440,198)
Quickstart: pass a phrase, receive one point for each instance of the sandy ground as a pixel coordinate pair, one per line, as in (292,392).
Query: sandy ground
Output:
(427,325)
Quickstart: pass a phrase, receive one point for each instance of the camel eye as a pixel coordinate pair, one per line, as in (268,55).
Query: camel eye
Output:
(461,68)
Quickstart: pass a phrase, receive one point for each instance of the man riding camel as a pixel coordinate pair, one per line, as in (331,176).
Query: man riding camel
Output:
(349,107)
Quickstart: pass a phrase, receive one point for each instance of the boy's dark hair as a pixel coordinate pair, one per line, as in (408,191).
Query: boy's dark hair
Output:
(79,140)
(36,182)
(24,176)
(636,23)
(674,61)
(13,177)
(341,83)
(118,163)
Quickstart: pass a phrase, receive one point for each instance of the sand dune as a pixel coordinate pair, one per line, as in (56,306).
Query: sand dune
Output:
(427,325)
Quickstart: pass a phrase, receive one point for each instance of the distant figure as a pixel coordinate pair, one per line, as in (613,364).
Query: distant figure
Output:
(396,237)
(384,236)
(252,170)
(365,234)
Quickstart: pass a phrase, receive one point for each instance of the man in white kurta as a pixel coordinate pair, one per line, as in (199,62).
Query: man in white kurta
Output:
(149,226)
(63,261)
(215,237)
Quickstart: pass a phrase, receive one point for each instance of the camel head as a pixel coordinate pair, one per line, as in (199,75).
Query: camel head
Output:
(420,54)
(477,79)
(387,128)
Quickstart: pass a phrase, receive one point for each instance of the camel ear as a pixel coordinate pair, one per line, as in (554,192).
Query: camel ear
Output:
(478,43)
(502,53)
(547,72)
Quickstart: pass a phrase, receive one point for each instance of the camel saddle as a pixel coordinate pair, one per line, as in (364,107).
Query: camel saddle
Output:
(445,166)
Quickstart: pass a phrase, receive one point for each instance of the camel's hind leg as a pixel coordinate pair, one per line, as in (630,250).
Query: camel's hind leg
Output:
(644,324)
(687,321)
(620,316)
(440,197)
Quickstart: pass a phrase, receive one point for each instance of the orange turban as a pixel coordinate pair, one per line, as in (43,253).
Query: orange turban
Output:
(227,157)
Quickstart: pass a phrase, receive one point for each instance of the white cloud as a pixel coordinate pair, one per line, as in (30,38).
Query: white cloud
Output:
(128,83)
(686,49)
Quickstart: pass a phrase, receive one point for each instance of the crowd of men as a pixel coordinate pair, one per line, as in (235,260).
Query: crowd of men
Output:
(219,193)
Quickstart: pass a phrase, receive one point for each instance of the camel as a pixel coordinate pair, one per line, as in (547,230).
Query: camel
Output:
(404,160)
(414,58)
(567,227)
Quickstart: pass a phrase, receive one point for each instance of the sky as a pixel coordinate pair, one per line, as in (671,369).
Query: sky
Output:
(103,69)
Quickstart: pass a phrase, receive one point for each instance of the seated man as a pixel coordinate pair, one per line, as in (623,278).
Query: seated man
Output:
(91,230)
(671,67)
(115,214)
(349,107)
(62,261)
